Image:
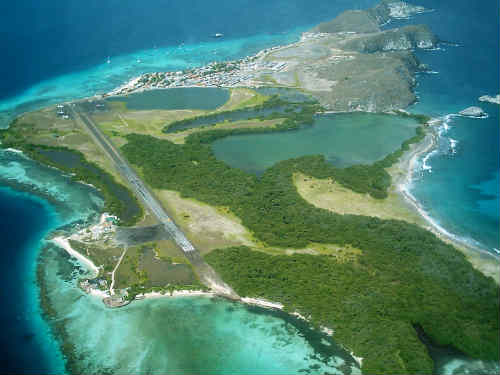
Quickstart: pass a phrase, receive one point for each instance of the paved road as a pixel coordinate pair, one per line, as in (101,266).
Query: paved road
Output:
(140,189)
(206,273)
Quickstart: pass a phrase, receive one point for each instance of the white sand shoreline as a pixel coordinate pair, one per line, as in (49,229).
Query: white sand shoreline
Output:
(262,303)
(403,186)
(178,293)
(63,243)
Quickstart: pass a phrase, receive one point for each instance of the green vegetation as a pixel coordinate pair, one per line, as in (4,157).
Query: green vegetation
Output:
(105,256)
(118,199)
(405,274)
(141,271)
(256,100)
(181,125)
(397,282)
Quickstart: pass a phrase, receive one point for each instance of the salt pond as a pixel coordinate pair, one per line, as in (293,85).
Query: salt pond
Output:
(175,98)
(344,140)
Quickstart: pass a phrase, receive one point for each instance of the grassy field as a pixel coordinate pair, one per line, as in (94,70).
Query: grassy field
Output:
(120,121)
(243,98)
(44,127)
(180,138)
(206,226)
(329,195)
(210,228)
(157,265)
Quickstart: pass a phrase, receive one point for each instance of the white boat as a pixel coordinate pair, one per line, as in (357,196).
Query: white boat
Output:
(218,35)
(108,60)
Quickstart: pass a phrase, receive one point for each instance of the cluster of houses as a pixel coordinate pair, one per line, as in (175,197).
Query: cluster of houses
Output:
(241,72)
(101,231)
(61,112)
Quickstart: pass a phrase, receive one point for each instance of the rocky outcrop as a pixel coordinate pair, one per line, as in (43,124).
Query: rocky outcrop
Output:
(490,99)
(370,20)
(475,112)
(405,38)
(370,83)
(389,9)
(359,21)
(402,10)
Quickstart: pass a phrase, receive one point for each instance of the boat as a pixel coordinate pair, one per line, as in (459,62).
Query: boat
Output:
(108,60)
(218,35)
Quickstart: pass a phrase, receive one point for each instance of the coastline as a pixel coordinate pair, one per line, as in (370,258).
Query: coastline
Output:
(266,304)
(63,243)
(482,260)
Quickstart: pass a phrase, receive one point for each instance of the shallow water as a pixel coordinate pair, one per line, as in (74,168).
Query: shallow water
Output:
(478,33)
(27,344)
(182,335)
(186,334)
(344,140)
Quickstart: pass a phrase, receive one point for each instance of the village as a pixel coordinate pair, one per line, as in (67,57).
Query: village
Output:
(244,72)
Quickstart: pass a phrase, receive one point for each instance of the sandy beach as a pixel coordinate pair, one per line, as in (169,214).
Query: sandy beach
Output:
(179,293)
(482,260)
(262,303)
(63,243)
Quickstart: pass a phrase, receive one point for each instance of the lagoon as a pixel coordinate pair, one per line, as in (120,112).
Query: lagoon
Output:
(344,140)
(207,98)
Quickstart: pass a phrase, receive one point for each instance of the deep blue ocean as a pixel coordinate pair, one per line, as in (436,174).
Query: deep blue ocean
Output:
(57,50)
(459,183)
(25,221)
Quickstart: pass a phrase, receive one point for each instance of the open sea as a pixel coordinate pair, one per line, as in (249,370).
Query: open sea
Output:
(57,51)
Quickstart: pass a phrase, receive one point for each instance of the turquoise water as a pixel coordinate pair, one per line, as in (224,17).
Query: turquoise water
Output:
(42,201)
(185,335)
(464,74)
(182,335)
(176,98)
(457,183)
(344,140)
(98,79)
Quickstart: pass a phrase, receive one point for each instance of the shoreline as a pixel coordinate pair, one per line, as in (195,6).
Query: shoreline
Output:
(63,243)
(402,185)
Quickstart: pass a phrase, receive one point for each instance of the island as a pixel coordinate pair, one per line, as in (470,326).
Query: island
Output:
(476,112)
(490,99)
(339,243)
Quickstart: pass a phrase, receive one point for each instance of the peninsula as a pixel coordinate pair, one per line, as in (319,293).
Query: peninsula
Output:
(348,64)
(339,245)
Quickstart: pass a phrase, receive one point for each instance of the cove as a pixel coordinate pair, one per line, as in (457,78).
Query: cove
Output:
(344,140)
(181,335)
